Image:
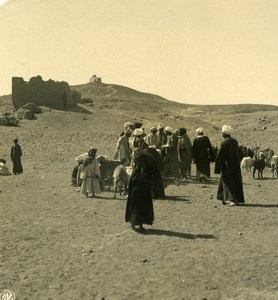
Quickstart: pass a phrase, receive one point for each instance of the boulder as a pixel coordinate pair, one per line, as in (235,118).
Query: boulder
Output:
(23,113)
(4,170)
(8,121)
(33,107)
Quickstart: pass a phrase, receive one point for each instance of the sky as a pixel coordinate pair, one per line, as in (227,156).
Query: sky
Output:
(189,51)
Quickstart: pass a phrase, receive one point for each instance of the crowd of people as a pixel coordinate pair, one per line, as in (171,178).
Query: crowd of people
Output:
(163,152)
(174,146)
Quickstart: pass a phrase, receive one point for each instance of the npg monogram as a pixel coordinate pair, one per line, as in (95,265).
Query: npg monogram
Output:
(7,295)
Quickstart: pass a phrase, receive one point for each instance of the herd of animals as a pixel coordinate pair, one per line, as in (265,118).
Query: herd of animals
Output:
(115,174)
(259,161)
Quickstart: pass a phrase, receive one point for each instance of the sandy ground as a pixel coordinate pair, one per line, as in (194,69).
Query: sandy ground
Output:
(56,244)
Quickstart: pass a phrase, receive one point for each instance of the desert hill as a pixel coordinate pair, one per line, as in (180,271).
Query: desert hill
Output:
(113,105)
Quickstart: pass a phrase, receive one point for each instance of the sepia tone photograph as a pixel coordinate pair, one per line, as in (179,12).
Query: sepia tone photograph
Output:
(139,150)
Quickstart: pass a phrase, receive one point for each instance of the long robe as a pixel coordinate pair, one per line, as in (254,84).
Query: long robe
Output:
(139,207)
(171,157)
(90,176)
(203,154)
(228,164)
(16,154)
(154,168)
(122,150)
(185,155)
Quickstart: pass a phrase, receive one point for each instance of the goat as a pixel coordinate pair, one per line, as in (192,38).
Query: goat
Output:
(259,165)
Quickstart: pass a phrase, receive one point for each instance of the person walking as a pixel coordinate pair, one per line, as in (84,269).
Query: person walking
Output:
(203,154)
(227,164)
(16,154)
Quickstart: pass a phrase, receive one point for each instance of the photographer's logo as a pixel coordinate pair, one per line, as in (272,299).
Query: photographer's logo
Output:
(7,295)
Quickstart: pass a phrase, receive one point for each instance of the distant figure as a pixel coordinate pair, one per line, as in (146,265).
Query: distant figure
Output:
(185,153)
(139,207)
(162,137)
(16,154)
(123,152)
(203,154)
(74,174)
(170,154)
(228,164)
(137,144)
(89,174)
(152,139)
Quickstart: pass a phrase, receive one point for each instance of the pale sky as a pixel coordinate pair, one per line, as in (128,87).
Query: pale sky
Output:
(190,51)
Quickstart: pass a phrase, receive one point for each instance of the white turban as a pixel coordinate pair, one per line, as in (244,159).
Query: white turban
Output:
(227,129)
(138,131)
(127,125)
(199,130)
(81,157)
(168,128)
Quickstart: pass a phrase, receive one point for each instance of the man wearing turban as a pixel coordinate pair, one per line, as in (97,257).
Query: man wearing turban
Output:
(203,154)
(227,164)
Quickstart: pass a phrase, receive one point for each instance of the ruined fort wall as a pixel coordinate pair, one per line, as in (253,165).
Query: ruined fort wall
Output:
(49,93)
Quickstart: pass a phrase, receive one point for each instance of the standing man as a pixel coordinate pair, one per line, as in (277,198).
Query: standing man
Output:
(185,153)
(16,154)
(123,151)
(203,154)
(228,164)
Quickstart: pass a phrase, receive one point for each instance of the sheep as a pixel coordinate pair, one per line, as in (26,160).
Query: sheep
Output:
(246,165)
(121,180)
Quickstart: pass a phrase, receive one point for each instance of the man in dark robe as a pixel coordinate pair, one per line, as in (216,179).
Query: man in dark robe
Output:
(228,164)
(139,207)
(154,168)
(203,154)
(16,154)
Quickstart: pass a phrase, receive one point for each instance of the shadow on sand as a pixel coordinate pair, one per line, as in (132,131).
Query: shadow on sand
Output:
(178,234)
(173,198)
(210,181)
(77,109)
(260,205)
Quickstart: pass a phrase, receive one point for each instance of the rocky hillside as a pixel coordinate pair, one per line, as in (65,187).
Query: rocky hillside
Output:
(255,125)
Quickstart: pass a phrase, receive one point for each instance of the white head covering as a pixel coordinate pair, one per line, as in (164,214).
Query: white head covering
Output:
(127,125)
(138,131)
(199,130)
(81,157)
(227,129)
(168,128)
(159,126)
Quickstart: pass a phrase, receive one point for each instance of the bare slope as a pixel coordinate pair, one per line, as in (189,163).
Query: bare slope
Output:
(255,125)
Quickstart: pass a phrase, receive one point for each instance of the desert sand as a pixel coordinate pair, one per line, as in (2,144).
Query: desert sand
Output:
(56,244)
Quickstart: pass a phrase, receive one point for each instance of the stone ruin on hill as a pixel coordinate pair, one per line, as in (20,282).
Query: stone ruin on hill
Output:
(53,94)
